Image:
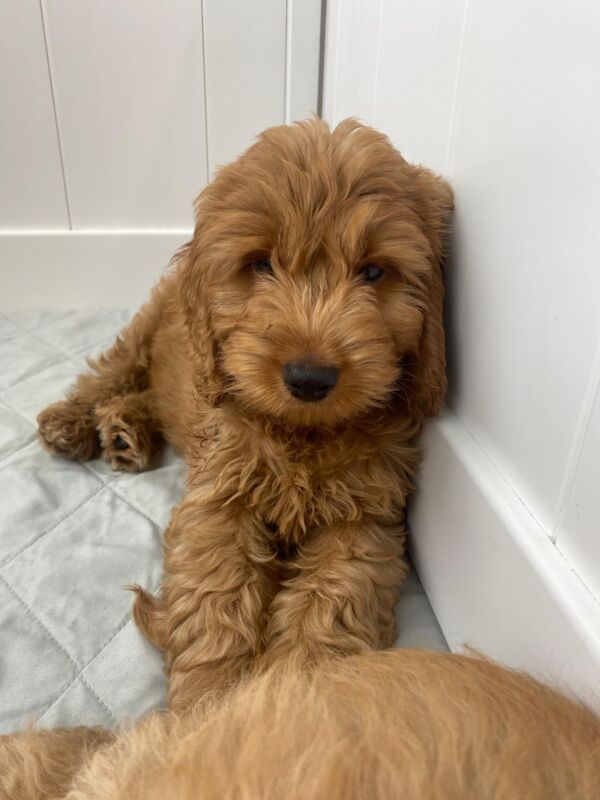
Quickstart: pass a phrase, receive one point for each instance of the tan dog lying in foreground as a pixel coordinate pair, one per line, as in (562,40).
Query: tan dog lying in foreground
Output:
(407,725)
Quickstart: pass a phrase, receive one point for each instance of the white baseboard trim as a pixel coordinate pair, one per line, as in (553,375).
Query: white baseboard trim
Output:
(82,269)
(494,578)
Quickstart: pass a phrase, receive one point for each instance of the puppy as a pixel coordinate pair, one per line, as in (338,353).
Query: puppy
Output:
(291,353)
(395,725)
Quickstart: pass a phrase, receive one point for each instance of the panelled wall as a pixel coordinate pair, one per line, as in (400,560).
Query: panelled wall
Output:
(503,98)
(114,114)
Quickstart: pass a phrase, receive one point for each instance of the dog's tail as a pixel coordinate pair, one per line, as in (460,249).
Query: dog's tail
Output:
(149,616)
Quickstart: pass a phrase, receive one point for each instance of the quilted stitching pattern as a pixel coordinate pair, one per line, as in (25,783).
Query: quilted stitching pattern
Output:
(72,535)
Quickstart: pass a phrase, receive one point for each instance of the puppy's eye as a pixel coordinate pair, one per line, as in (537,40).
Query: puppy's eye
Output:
(262,266)
(371,273)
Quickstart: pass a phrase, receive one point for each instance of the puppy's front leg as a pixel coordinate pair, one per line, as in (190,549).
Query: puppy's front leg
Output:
(209,616)
(342,599)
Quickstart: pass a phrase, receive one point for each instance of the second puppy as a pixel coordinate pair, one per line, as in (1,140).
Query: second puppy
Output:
(396,725)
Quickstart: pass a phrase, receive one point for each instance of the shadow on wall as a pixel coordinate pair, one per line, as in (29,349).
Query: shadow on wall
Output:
(452,305)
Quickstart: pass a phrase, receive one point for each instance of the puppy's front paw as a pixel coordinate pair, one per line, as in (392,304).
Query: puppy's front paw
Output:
(125,436)
(68,429)
(124,451)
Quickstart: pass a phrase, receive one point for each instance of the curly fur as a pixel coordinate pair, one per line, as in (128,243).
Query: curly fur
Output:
(43,764)
(290,539)
(403,725)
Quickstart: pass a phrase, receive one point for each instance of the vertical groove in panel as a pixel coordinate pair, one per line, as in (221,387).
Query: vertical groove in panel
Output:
(322,34)
(331,50)
(55,112)
(32,193)
(302,39)
(455,93)
(205,83)
(288,61)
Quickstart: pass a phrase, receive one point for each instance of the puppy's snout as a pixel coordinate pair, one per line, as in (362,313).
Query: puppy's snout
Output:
(309,382)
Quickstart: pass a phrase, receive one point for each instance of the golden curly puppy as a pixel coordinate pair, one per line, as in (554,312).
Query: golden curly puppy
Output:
(403,725)
(291,353)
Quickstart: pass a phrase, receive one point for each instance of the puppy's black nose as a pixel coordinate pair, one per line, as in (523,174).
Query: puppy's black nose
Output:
(309,382)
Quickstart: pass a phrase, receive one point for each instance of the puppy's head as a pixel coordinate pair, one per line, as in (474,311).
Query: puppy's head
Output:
(312,287)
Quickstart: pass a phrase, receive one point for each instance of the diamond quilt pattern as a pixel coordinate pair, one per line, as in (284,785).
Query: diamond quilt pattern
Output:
(73,535)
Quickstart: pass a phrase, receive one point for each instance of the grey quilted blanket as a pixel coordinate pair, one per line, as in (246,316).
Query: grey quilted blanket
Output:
(73,535)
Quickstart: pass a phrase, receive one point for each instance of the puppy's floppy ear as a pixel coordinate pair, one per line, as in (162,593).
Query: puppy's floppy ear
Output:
(194,303)
(427,382)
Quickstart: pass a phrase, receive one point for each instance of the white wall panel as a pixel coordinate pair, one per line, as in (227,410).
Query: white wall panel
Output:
(395,66)
(503,97)
(525,164)
(31,186)
(495,580)
(63,270)
(354,30)
(419,55)
(129,88)
(245,59)
(303,57)
(578,532)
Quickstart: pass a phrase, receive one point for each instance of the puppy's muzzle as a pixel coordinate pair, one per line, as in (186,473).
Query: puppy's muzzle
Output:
(309,382)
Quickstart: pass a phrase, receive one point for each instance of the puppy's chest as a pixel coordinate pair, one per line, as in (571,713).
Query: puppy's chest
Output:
(294,493)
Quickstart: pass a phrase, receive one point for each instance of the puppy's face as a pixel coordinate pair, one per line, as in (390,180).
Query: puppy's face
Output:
(316,264)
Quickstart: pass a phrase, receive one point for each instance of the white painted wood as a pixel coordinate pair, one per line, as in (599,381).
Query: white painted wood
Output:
(514,92)
(83,269)
(245,60)
(395,66)
(507,95)
(353,32)
(303,45)
(31,184)
(578,531)
(525,164)
(129,84)
(495,580)
(419,56)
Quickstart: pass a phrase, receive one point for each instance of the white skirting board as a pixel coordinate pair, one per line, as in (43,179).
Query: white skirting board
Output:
(61,270)
(495,580)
